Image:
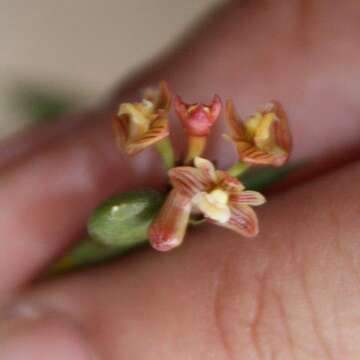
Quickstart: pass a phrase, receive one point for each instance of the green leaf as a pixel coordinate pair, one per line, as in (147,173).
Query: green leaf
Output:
(118,225)
(124,220)
(262,178)
(85,253)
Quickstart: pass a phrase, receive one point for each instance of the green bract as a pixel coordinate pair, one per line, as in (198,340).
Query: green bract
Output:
(123,220)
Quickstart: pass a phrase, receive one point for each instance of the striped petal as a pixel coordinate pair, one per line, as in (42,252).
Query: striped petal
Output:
(234,122)
(169,227)
(188,180)
(281,127)
(206,167)
(251,154)
(248,197)
(158,130)
(243,221)
(229,183)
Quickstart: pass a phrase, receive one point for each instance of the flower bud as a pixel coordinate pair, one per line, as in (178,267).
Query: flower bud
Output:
(124,220)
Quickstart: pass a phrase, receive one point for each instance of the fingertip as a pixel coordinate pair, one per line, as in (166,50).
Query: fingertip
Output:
(29,333)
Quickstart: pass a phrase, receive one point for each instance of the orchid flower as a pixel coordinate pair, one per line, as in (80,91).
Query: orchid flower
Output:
(264,138)
(197,120)
(201,189)
(139,125)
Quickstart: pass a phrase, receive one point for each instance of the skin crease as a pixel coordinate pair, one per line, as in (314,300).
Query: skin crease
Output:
(291,293)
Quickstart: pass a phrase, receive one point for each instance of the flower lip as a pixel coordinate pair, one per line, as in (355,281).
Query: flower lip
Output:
(214,205)
(197,119)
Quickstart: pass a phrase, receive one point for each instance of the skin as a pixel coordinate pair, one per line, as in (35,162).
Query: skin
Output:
(291,293)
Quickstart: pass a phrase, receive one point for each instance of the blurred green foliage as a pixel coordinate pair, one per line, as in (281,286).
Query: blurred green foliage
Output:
(41,103)
(262,179)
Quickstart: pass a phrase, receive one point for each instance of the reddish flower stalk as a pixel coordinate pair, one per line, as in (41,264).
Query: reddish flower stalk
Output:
(197,120)
(201,189)
(264,138)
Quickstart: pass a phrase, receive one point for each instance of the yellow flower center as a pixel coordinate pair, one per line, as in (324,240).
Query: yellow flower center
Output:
(214,205)
(140,117)
(259,129)
(219,196)
(193,107)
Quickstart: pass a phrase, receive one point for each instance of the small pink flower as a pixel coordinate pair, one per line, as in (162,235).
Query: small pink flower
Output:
(139,125)
(200,189)
(197,119)
(263,138)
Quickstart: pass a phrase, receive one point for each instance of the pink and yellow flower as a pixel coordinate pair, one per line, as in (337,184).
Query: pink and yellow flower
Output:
(264,138)
(197,120)
(139,125)
(200,189)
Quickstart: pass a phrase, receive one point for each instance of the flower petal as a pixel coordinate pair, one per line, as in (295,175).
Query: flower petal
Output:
(188,180)
(248,197)
(158,130)
(281,127)
(165,97)
(243,221)
(215,107)
(211,208)
(169,227)
(181,108)
(197,119)
(121,130)
(251,154)
(264,137)
(206,167)
(234,122)
(229,183)
(160,97)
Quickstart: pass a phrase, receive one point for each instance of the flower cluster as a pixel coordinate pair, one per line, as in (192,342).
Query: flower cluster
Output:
(197,188)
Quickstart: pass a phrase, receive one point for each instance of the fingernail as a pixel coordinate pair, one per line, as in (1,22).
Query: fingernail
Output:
(30,332)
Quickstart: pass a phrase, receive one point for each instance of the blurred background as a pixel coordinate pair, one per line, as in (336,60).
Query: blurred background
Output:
(57,55)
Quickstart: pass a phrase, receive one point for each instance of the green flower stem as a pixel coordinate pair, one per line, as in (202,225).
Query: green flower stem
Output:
(238,169)
(166,151)
(86,253)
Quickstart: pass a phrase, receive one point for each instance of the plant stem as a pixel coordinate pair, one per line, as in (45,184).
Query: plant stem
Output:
(196,146)
(86,253)
(166,151)
(238,169)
